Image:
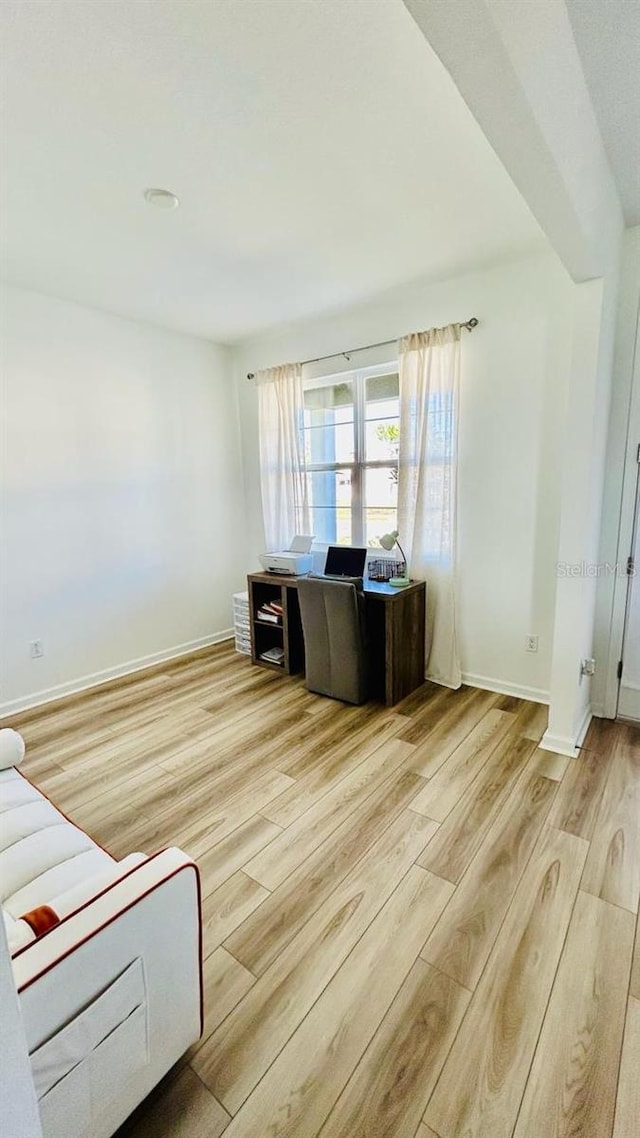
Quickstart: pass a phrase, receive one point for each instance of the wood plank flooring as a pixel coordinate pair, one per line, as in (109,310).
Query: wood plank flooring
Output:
(416,923)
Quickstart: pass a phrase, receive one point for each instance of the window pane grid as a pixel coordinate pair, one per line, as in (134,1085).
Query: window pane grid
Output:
(351,432)
(382,419)
(382,464)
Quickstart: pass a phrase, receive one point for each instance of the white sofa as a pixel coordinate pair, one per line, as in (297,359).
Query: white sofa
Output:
(106,959)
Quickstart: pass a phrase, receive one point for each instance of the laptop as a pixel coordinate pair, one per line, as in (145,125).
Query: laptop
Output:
(345,561)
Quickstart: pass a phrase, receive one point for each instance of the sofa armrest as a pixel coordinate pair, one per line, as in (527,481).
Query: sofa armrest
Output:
(156,906)
(11,748)
(90,918)
(148,921)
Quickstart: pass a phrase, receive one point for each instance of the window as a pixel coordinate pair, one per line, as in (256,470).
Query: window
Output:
(351,435)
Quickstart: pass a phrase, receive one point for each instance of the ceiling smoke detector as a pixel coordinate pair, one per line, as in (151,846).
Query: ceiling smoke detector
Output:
(162,199)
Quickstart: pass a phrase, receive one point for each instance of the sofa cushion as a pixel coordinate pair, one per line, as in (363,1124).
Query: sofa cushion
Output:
(41,853)
(21,932)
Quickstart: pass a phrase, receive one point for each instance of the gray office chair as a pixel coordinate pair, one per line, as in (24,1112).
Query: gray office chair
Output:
(334,638)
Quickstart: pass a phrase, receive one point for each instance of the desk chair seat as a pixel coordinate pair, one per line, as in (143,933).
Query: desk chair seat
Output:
(334,637)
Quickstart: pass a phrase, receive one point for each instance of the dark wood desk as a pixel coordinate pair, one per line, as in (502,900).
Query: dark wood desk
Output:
(395,632)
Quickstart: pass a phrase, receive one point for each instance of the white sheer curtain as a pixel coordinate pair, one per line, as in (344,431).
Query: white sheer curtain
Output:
(429,369)
(284,489)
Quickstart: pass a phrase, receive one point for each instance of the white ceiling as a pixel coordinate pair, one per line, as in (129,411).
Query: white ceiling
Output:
(607,34)
(319,148)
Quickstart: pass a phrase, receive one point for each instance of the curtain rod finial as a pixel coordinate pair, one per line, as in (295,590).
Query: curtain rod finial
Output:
(251,375)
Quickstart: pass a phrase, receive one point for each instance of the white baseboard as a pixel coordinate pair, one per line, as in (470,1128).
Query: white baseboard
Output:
(584,726)
(564,744)
(559,744)
(36,699)
(504,687)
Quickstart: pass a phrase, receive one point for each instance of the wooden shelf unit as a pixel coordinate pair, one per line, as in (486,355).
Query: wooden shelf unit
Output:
(265,635)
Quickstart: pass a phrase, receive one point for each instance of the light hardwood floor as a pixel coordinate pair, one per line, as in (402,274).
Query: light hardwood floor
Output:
(416,923)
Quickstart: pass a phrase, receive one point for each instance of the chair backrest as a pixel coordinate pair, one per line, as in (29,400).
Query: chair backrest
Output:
(334,636)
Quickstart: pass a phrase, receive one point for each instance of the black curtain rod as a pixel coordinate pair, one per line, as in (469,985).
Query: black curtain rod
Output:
(468,324)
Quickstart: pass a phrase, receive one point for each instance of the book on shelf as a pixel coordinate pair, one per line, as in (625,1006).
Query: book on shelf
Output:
(273,655)
(271,613)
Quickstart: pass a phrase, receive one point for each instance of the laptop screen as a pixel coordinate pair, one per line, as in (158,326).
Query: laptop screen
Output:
(345,561)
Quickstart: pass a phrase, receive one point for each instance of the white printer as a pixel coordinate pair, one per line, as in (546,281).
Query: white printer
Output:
(292,562)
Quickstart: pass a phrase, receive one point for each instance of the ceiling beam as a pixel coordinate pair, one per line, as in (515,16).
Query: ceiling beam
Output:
(517,67)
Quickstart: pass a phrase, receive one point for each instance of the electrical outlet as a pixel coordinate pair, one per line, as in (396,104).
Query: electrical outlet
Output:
(35,649)
(531,643)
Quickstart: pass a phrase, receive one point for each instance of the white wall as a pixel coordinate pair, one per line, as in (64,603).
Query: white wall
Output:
(514,371)
(620,482)
(121,461)
(585,431)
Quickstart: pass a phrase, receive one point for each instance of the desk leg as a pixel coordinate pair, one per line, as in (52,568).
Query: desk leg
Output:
(404,646)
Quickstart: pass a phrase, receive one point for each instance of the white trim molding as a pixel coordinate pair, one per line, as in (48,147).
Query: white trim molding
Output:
(504,687)
(629,701)
(83,683)
(563,744)
(619,501)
